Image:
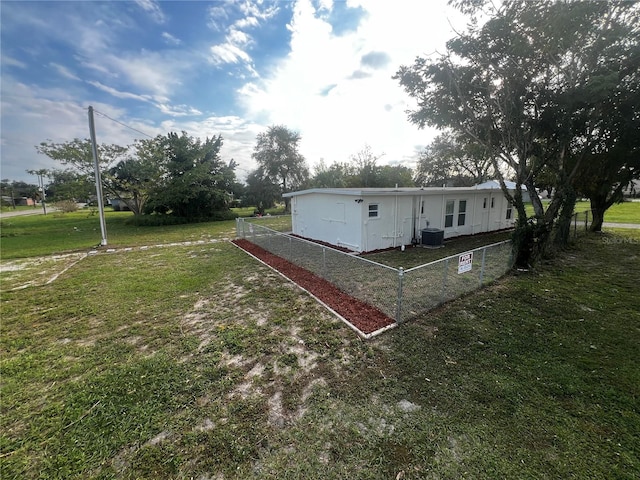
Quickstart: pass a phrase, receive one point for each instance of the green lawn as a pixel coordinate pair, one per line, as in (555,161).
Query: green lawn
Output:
(56,233)
(198,362)
(626,212)
(7,209)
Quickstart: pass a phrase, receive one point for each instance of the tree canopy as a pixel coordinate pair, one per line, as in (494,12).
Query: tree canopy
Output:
(362,171)
(532,86)
(10,190)
(195,182)
(175,174)
(280,164)
(453,162)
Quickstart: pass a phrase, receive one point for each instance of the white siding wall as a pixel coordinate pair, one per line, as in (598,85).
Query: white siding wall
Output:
(485,211)
(330,218)
(462,219)
(345,220)
(392,227)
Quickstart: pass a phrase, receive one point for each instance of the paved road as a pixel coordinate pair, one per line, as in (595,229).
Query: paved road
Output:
(19,213)
(620,225)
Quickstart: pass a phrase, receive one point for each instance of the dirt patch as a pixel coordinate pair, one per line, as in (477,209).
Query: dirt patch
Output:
(365,317)
(31,272)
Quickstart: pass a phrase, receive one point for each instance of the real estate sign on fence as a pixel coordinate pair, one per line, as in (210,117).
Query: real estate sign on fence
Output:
(465,262)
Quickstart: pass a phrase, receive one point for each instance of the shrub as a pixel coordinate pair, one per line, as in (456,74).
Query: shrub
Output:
(158,220)
(66,206)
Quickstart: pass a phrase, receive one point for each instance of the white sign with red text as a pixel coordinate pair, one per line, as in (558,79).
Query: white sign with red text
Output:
(465,262)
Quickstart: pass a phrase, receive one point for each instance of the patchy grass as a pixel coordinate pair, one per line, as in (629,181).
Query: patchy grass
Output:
(198,362)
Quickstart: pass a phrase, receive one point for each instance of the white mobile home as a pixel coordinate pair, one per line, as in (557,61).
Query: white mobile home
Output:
(368,219)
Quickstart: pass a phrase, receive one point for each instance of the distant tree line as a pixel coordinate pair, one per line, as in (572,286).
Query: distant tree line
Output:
(182,177)
(282,169)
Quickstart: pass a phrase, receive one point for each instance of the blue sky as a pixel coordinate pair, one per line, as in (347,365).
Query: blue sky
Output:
(320,67)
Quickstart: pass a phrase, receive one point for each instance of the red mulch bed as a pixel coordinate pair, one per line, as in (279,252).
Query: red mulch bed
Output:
(366,318)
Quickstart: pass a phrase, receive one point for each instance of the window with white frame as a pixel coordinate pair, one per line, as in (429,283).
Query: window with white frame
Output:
(509,211)
(373,210)
(462,212)
(448,213)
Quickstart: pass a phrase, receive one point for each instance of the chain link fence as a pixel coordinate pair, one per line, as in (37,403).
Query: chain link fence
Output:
(400,294)
(427,286)
(580,223)
(371,282)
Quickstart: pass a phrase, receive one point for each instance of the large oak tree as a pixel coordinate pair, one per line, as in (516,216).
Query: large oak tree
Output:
(531,85)
(196,183)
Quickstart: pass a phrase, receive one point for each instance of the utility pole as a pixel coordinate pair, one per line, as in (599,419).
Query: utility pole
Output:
(41,187)
(44,193)
(96,166)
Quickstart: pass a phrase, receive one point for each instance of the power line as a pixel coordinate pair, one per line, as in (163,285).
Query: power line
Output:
(120,123)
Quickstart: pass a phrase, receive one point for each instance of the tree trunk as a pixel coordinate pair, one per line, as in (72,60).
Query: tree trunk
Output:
(523,233)
(598,207)
(562,230)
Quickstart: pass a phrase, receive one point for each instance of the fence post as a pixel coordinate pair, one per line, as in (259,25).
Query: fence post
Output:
(290,251)
(575,225)
(586,220)
(324,263)
(444,279)
(399,302)
(484,253)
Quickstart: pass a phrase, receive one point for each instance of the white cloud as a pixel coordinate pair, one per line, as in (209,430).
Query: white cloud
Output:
(218,16)
(158,101)
(228,53)
(64,71)
(170,39)
(119,94)
(247,22)
(237,42)
(98,67)
(153,9)
(7,61)
(238,37)
(325,5)
(178,110)
(253,9)
(154,72)
(337,91)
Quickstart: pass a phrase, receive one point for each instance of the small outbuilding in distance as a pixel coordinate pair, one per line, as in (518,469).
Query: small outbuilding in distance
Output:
(368,219)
